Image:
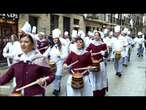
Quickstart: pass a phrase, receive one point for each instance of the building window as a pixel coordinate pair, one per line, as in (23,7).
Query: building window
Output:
(76,22)
(54,19)
(88,28)
(66,24)
(33,21)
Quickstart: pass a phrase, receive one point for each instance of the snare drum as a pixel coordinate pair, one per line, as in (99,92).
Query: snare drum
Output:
(77,81)
(15,94)
(52,66)
(97,69)
(118,55)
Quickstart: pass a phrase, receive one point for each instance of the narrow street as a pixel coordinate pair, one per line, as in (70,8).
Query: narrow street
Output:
(132,82)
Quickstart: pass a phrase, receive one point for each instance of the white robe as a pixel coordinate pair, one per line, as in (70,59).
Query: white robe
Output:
(54,53)
(85,91)
(10,50)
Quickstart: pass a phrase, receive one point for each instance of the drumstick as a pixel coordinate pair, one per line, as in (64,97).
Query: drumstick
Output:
(96,61)
(73,63)
(31,84)
(84,68)
(72,71)
(43,48)
(96,53)
(84,72)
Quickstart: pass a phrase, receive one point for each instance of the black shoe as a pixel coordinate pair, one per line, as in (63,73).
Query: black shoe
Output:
(56,92)
(119,74)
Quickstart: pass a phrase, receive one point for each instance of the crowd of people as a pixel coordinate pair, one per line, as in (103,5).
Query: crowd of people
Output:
(83,56)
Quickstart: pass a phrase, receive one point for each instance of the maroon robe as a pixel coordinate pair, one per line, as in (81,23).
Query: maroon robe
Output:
(41,44)
(26,73)
(96,49)
(84,60)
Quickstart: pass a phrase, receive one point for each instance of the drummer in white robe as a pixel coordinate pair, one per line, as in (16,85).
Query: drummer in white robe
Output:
(118,50)
(57,54)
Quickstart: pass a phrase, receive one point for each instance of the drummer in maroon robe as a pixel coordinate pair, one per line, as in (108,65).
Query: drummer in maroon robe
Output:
(83,59)
(99,78)
(27,68)
(42,43)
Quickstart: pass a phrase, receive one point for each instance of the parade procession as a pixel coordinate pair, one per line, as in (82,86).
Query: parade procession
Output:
(72,55)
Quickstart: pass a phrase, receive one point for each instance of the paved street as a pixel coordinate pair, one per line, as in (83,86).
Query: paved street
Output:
(132,83)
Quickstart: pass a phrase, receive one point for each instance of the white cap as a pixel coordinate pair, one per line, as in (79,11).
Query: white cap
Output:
(66,33)
(81,33)
(56,33)
(34,29)
(94,32)
(34,37)
(111,33)
(140,33)
(105,31)
(74,34)
(26,27)
(101,33)
(117,28)
(41,33)
(128,32)
(125,30)
(90,33)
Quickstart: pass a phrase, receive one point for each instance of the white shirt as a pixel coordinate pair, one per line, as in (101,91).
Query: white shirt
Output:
(54,52)
(10,50)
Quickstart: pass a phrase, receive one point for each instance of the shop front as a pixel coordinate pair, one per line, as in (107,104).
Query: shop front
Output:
(8,26)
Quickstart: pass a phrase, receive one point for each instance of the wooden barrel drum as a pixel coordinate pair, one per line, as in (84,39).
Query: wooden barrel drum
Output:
(52,66)
(118,55)
(77,81)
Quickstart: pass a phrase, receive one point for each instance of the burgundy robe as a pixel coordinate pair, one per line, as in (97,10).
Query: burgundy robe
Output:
(26,73)
(95,49)
(84,60)
(41,44)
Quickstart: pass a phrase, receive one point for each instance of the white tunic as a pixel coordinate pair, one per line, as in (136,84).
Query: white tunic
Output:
(10,50)
(117,45)
(57,56)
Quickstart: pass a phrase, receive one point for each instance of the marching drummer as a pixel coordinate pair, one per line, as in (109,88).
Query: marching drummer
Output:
(27,67)
(118,50)
(98,78)
(57,53)
(78,58)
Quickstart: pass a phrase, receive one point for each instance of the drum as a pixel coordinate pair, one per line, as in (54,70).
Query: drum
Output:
(118,55)
(97,69)
(15,94)
(52,66)
(77,81)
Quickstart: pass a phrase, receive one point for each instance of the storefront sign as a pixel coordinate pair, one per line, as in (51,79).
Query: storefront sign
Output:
(12,15)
